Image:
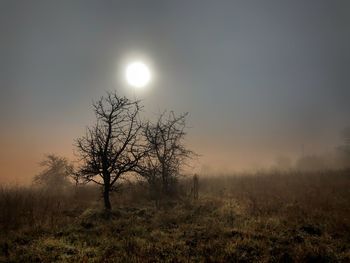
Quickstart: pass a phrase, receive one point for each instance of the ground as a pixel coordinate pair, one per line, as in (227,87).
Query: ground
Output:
(252,221)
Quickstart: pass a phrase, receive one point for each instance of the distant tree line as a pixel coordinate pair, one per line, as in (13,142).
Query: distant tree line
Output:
(56,174)
(337,159)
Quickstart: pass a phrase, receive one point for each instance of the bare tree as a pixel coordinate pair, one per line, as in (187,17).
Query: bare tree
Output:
(166,152)
(344,150)
(56,173)
(110,148)
(346,138)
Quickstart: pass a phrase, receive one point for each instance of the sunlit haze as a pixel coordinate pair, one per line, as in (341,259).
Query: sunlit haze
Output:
(260,79)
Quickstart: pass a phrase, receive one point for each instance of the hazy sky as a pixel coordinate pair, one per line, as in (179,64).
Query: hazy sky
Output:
(259,78)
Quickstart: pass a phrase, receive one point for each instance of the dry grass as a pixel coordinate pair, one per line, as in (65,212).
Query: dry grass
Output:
(289,217)
(23,207)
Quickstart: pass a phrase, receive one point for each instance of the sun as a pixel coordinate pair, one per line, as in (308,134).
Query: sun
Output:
(138,74)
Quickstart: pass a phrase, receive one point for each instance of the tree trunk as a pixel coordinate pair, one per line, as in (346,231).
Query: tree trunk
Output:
(165,186)
(107,203)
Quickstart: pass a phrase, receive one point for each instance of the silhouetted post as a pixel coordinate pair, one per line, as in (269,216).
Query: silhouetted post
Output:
(195,187)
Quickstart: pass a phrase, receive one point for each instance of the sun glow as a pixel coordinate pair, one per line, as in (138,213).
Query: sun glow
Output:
(137,74)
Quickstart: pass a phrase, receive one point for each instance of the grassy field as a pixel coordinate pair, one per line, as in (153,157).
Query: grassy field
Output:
(271,217)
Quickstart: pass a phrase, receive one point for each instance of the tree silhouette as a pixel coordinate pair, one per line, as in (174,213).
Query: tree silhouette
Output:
(55,176)
(344,149)
(166,152)
(110,148)
(346,138)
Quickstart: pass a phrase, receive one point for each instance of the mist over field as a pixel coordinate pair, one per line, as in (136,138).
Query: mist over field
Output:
(260,80)
(174,131)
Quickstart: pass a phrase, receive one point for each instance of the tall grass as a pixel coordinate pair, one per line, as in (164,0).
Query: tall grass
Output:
(261,217)
(321,197)
(34,207)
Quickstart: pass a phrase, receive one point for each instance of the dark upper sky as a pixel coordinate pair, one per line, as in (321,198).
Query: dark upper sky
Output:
(259,78)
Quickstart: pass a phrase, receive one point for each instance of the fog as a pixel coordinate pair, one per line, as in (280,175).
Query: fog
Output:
(260,80)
